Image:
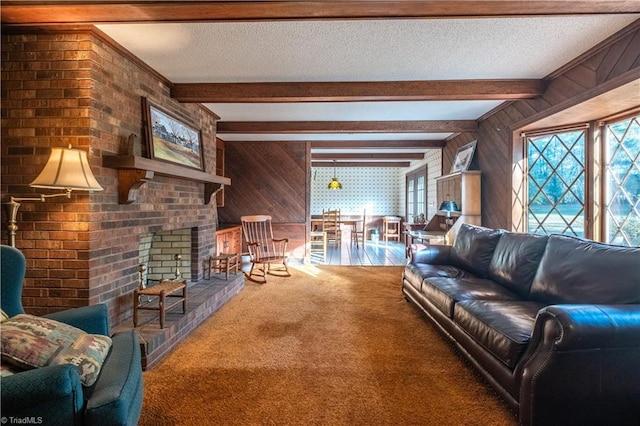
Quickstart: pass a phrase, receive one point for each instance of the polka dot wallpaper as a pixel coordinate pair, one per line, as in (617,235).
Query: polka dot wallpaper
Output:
(374,188)
(381,190)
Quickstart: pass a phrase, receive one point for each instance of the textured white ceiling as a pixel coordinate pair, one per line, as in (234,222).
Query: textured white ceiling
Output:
(375,50)
(367,50)
(354,111)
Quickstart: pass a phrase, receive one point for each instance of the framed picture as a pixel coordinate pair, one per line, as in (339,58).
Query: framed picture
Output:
(171,139)
(463,157)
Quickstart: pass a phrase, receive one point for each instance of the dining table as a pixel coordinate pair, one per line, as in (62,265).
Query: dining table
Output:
(316,224)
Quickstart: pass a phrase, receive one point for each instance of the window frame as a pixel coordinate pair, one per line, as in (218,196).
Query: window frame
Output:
(602,129)
(415,175)
(596,178)
(587,128)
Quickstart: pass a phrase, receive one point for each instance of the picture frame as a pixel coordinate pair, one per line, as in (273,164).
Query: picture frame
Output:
(463,158)
(171,139)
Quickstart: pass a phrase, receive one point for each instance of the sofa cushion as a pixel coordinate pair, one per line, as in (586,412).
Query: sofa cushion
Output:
(444,293)
(31,342)
(574,270)
(474,247)
(416,273)
(516,259)
(502,327)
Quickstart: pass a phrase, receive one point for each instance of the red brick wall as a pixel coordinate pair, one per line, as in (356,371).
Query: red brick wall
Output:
(63,87)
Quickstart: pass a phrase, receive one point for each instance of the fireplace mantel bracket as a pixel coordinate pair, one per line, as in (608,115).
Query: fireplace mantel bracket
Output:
(135,171)
(210,191)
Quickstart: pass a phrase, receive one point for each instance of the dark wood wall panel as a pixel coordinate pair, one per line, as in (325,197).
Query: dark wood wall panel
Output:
(266,178)
(269,178)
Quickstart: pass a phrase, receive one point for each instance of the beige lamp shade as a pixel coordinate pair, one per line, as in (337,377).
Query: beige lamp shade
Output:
(67,168)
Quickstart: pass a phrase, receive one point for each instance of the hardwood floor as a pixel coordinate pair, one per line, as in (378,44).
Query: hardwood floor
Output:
(373,254)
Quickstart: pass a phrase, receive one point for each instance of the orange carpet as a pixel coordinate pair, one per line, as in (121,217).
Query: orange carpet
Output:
(331,345)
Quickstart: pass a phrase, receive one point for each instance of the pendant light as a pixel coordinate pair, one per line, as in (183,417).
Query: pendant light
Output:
(335,183)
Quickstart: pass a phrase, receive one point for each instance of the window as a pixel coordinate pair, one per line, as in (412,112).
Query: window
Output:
(416,187)
(556,182)
(622,182)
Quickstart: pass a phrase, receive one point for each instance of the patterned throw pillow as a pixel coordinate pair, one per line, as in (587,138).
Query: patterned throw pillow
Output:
(7,370)
(3,316)
(29,342)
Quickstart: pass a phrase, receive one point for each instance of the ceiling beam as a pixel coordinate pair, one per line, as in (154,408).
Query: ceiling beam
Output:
(435,90)
(360,164)
(426,126)
(378,144)
(95,11)
(369,156)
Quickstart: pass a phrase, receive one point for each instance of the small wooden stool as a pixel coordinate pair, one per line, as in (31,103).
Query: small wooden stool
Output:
(223,262)
(391,228)
(166,288)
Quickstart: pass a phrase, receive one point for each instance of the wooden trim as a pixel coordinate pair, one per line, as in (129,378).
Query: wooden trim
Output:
(339,164)
(358,91)
(93,11)
(559,129)
(620,116)
(519,183)
(409,126)
(590,183)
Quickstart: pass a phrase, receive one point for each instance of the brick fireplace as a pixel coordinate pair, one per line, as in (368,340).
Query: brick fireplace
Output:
(76,86)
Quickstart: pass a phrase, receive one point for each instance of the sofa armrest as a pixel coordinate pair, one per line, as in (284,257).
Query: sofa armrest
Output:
(90,319)
(595,326)
(433,254)
(52,394)
(116,397)
(579,366)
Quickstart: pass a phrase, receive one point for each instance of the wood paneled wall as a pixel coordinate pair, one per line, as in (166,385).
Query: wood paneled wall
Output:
(612,64)
(270,178)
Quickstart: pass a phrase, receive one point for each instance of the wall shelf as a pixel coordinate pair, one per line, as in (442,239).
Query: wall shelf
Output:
(134,171)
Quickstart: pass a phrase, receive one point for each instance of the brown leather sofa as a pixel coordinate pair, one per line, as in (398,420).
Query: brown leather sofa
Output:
(552,323)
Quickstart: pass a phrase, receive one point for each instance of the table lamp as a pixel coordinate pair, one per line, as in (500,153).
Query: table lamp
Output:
(448,206)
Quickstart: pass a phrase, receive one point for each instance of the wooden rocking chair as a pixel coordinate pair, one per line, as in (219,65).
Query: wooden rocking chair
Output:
(263,248)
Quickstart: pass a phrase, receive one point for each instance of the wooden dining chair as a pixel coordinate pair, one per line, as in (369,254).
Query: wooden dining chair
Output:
(264,250)
(359,231)
(331,225)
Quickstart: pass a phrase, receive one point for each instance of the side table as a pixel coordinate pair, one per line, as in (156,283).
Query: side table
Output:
(166,288)
(222,262)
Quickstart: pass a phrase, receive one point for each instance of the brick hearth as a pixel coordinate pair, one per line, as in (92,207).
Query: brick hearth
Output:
(204,298)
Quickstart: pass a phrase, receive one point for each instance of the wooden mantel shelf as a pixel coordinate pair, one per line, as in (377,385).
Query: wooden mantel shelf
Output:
(135,171)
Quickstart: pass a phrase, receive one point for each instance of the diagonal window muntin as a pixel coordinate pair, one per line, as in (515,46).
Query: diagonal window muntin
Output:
(556,168)
(622,175)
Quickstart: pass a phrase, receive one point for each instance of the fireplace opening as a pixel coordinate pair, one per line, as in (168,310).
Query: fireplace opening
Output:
(165,255)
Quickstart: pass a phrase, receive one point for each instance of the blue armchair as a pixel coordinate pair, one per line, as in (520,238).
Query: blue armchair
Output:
(55,394)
